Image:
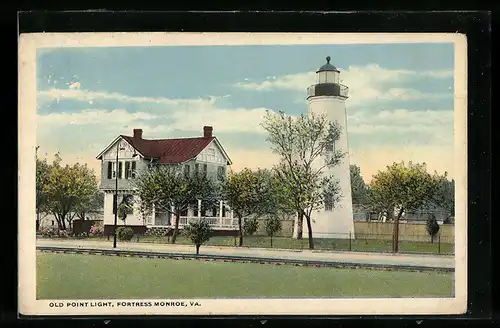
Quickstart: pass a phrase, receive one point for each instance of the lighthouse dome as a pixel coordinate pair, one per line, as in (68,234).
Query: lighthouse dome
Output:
(327,66)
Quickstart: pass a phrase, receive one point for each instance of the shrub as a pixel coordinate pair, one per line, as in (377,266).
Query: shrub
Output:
(273,226)
(124,233)
(250,226)
(63,234)
(432,226)
(48,232)
(198,232)
(96,230)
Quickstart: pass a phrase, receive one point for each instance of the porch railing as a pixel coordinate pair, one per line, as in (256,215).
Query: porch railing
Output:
(213,221)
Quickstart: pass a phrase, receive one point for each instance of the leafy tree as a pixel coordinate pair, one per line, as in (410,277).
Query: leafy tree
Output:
(42,176)
(444,197)
(250,226)
(66,188)
(94,203)
(244,192)
(277,201)
(199,232)
(170,190)
(359,189)
(273,226)
(401,188)
(432,226)
(301,143)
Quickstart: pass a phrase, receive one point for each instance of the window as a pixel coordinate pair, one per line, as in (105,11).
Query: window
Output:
(328,202)
(110,170)
(186,170)
(205,168)
(127,170)
(221,173)
(132,173)
(197,168)
(184,212)
(113,173)
(120,170)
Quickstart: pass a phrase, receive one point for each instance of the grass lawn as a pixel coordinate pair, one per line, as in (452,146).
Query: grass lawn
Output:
(364,245)
(65,276)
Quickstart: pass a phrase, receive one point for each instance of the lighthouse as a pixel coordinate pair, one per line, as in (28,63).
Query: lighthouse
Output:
(328,97)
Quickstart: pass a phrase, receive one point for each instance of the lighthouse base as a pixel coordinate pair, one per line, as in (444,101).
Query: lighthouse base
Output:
(327,225)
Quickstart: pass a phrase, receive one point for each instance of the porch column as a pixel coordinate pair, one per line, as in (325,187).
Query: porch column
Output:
(199,209)
(221,218)
(173,216)
(153,215)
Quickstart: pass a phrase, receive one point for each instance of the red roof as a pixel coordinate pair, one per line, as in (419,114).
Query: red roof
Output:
(170,150)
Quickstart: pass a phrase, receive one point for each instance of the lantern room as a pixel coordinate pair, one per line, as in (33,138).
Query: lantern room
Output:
(328,73)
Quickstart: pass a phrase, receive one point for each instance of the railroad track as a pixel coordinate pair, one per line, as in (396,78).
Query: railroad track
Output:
(241,259)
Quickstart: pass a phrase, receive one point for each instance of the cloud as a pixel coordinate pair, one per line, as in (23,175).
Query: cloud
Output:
(172,114)
(400,118)
(86,95)
(86,133)
(92,116)
(365,83)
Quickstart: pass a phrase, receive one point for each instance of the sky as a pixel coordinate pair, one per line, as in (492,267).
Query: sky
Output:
(400,106)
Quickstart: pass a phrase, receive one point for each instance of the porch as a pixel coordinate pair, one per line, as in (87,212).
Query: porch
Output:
(218,217)
(217,223)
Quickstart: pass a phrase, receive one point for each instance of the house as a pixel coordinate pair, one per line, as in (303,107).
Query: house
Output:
(204,153)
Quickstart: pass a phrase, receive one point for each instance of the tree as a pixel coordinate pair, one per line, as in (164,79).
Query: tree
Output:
(273,226)
(444,197)
(42,176)
(169,189)
(199,232)
(306,148)
(432,226)
(244,192)
(66,188)
(359,189)
(250,226)
(94,203)
(401,188)
(277,202)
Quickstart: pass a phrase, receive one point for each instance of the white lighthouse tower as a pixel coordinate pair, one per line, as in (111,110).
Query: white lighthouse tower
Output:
(327,97)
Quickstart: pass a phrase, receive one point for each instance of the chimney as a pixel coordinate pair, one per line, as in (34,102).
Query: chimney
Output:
(207,131)
(137,133)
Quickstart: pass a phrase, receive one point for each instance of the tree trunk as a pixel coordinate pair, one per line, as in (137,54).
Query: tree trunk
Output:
(432,239)
(271,241)
(198,249)
(37,220)
(395,246)
(309,232)
(300,223)
(176,227)
(61,225)
(240,232)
